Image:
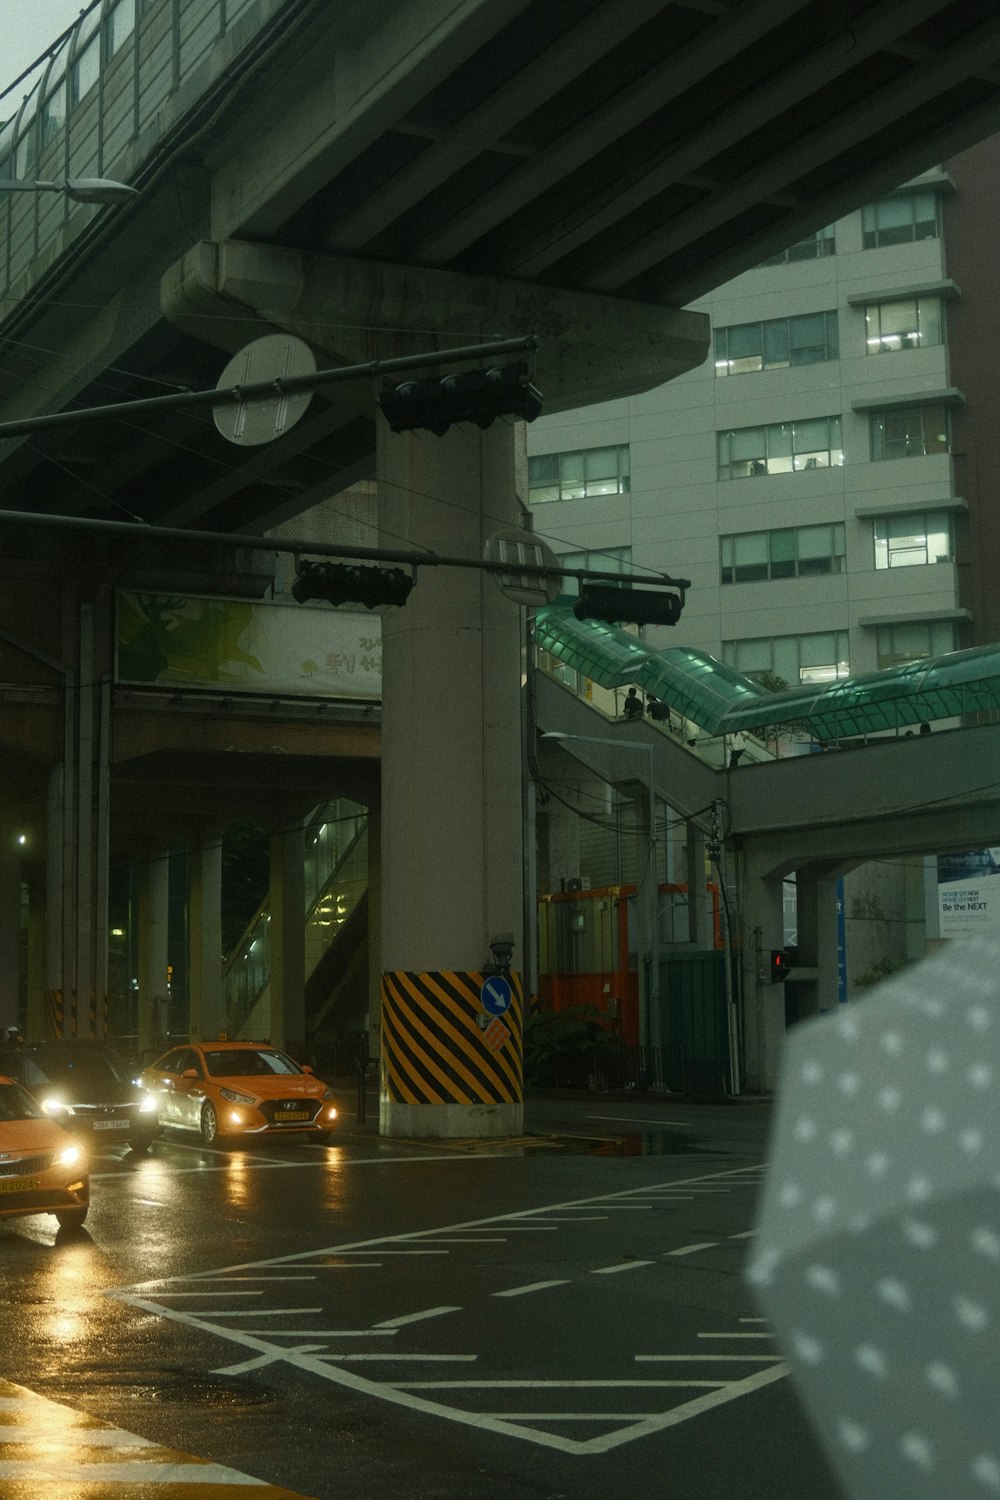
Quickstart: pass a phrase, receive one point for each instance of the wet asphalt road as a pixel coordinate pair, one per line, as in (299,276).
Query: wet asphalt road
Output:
(386,1319)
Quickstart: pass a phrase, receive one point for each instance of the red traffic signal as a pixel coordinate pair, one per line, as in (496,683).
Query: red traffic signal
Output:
(780,965)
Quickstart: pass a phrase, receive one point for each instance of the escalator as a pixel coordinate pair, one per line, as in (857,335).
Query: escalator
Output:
(336,933)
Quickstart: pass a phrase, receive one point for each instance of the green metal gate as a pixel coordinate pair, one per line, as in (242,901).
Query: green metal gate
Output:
(695,1027)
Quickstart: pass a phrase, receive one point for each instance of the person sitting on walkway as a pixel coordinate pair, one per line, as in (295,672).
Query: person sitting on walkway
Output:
(658,710)
(632,707)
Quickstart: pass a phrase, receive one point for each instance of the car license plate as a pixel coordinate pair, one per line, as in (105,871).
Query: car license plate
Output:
(18,1184)
(111,1124)
(294,1114)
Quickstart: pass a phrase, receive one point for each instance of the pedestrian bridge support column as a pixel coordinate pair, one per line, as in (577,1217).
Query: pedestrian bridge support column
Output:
(451,792)
(154,995)
(205,942)
(761,922)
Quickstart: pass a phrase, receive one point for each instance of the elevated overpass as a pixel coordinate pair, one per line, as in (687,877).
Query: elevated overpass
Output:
(391,177)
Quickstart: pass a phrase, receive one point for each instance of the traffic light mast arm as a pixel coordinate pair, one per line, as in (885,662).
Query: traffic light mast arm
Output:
(296,546)
(266,390)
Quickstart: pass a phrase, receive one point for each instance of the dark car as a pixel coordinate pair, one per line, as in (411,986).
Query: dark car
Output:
(85,1088)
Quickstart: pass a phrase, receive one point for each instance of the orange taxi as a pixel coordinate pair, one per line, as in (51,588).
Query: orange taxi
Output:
(42,1169)
(227,1089)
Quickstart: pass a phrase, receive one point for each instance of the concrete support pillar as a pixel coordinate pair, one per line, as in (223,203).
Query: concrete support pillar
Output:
(647,918)
(287,941)
(374,930)
(452,874)
(205,939)
(700,933)
(817,948)
(54,903)
(10,928)
(761,920)
(35,1020)
(154,995)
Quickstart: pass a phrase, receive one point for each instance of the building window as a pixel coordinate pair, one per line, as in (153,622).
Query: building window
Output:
(86,69)
(910,431)
(746,452)
(913,323)
(913,640)
(793,659)
(805,340)
(900,220)
(914,539)
(574,476)
(54,112)
(609,560)
(119,24)
(813,247)
(793,552)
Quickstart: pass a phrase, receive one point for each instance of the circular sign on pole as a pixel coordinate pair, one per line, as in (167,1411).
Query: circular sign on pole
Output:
(277,356)
(496,994)
(515,547)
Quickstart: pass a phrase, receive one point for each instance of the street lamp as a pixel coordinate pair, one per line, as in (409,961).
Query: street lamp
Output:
(652,1027)
(80,189)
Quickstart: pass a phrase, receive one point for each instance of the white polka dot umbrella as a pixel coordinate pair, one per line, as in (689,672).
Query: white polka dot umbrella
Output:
(877,1257)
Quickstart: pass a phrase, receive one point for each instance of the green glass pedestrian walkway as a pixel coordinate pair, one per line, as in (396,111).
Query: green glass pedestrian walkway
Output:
(721,701)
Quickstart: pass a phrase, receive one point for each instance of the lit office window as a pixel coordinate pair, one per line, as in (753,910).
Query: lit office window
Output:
(813,247)
(900,220)
(577,476)
(794,659)
(913,323)
(913,640)
(914,539)
(910,431)
(792,552)
(781,448)
(775,345)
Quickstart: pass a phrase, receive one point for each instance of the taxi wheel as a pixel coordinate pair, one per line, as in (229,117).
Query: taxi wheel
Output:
(209,1124)
(71,1218)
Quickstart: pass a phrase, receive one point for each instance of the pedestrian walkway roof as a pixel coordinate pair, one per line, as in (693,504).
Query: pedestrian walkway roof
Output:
(722,701)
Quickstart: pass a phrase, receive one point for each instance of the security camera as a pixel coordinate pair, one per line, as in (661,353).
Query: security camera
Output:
(502,949)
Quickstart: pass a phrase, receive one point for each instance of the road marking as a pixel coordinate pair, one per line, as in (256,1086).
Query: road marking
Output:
(530,1286)
(542,1385)
(744,1234)
(417,1317)
(57,1444)
(735,1335)
(643,1120)
(629,1265)
(690,1249)
(347,1370)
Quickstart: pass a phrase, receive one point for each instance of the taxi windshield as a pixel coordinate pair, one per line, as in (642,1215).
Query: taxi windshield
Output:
(16,1104)
(247,1062)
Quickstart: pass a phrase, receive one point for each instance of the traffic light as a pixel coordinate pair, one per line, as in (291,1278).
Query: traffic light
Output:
(606,601)
(780,965)
(478,396)
(342,583)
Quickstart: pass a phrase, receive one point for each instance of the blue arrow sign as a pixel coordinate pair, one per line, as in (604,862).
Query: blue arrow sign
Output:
(496,994)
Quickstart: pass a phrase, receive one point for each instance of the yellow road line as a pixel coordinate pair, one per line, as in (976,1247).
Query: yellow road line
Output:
(46,1443)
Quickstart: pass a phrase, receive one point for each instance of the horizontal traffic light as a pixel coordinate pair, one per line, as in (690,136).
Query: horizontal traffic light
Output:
(477,396)
(606,601)
(343,583)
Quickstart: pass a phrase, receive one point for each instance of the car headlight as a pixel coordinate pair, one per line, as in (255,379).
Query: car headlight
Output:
(147,1105)
(68,1156)
(55,1106)
(236,1098)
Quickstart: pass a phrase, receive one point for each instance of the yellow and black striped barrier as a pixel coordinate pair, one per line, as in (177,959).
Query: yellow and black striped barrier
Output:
(439,1046)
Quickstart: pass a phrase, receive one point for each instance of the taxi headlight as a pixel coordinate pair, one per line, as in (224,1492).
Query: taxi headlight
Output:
(237,1098)
(68,1156)
(147,1105)
(55,1106)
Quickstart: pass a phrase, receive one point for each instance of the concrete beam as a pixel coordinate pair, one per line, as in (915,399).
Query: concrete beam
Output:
(592,348)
